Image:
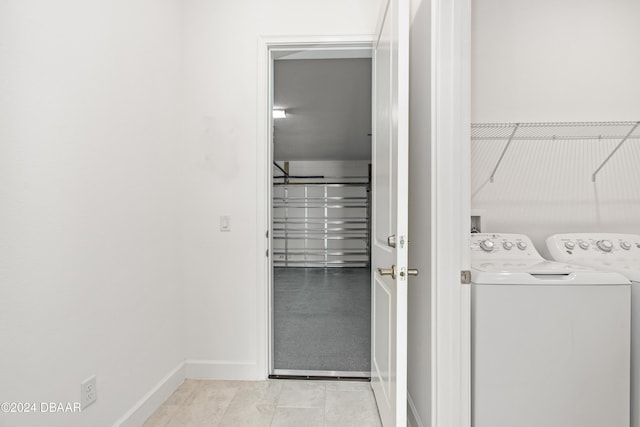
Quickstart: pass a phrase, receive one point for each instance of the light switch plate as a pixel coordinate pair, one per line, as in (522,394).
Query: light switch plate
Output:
(225,223)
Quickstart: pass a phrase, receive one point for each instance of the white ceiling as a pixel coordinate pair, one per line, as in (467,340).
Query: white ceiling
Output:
(328,104)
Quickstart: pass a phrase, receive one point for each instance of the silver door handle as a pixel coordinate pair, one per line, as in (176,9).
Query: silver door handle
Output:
(391,241)
(388,271)
(393,272)
(409,272)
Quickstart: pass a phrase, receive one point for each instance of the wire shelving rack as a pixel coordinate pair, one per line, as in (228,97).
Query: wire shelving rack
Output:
(621,131)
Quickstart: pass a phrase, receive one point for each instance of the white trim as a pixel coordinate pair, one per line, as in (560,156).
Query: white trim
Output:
(190,369)
(151,401)
(463,18)
(336,374)
(263,216)
(450,173)
(222,370)
(324,54)
(413,418)
(264,140)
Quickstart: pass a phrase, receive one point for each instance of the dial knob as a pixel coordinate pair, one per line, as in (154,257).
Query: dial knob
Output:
(522,245)
(487,245)
(584,245)
(569,245)
(605,245)
(507,245)
(625,245)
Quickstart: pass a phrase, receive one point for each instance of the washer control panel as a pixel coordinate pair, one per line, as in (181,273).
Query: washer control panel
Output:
(485,246)
(565,247)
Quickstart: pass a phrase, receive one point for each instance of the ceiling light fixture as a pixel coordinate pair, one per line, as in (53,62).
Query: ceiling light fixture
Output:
(279,113)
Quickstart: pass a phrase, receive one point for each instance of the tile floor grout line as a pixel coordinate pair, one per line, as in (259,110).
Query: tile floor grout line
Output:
(275,407)
(298,407)
(324,407)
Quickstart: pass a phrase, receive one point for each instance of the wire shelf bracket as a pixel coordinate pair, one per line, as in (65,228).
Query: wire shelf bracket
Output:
(627,136)
(504,151)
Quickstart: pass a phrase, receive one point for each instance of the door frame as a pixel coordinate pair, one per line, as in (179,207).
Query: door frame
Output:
(450,220)
(450,81)
(268,47)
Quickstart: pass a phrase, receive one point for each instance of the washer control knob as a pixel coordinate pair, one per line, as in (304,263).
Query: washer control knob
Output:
(605,245)
(487,245)
(583,245)
(570,245)
(522,245)
(625,245)
(507,245)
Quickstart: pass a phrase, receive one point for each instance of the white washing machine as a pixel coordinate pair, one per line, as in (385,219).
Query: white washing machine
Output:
(550,341)
(613,252)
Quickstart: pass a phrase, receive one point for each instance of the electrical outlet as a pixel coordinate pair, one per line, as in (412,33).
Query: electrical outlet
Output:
(476,224)
(88,392)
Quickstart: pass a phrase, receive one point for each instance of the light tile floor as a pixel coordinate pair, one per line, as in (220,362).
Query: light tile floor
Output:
(272,403)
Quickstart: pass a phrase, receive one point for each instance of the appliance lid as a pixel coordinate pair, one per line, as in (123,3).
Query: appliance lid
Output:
(527,266)
(528,272)
(575,278)
(630,268)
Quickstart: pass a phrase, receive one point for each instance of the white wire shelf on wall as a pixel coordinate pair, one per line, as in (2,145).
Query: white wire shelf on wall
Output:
(556,131)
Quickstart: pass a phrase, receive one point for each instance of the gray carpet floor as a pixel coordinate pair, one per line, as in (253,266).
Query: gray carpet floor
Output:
(322,319)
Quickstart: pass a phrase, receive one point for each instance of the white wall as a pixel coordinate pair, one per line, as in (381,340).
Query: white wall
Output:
(225,312)
(89,185)
(420,195)
(106,191)
(556,61)
(569,60)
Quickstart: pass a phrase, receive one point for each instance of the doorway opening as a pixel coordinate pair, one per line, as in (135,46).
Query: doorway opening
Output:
(320,209)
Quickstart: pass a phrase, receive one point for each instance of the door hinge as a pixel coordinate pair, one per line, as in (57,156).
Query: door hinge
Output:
(267,253)
(465,277)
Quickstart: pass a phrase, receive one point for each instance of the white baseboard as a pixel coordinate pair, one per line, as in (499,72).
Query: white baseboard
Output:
(223,370)
(151,401)
(413,419)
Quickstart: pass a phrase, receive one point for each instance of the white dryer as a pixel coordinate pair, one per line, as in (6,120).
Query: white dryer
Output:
(550,341)
(613,252)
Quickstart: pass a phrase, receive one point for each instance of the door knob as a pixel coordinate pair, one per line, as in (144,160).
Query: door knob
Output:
(409,272)
(388,271)
(393,271)
(391,241)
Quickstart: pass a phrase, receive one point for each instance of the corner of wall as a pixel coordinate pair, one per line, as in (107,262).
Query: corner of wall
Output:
(151,401)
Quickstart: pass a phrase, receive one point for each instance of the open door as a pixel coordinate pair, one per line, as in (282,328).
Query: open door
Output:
(390,214)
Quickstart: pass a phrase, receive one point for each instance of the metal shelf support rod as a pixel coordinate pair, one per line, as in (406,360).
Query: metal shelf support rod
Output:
(633,129)
(506,147)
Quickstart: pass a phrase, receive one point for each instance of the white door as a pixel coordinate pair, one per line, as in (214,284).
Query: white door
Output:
(390,210)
